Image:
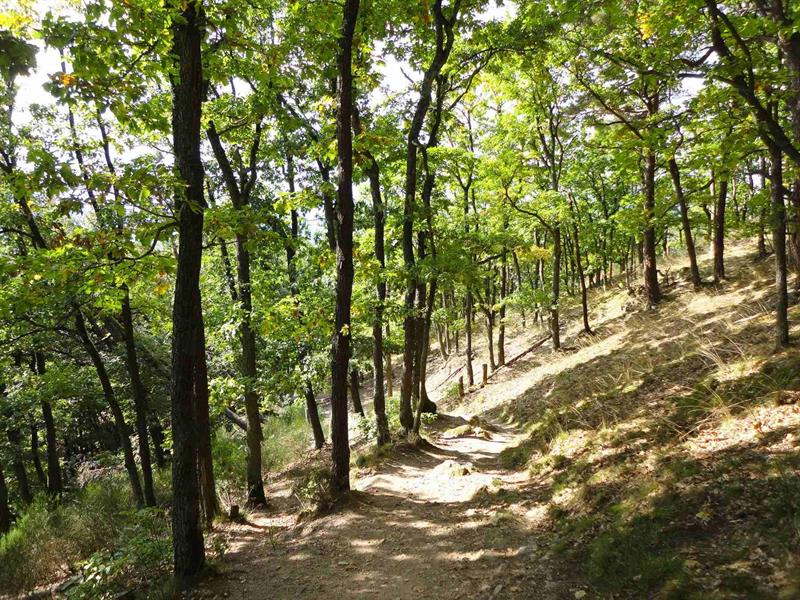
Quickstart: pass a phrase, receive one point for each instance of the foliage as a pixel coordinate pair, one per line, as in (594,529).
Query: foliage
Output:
(113,545)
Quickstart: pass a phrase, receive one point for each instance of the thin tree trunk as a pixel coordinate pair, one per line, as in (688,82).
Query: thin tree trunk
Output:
(355,392)
(762,242)
(555,327)
(379,219)
(518,273)
(719,231)
(649,240)
(54,485)
(36,456)
(779,246)
(312,413)
(501,330)
(490,338)
(389,369)
(139,398)
(687,225)
(312,408)
(157,436)
(444,44)
(468,310)
(579,266)
(419,328)
(425,404)
(248,367)
(116,410)
(249,370)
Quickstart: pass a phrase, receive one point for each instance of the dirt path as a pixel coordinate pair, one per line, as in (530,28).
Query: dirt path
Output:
(445,521)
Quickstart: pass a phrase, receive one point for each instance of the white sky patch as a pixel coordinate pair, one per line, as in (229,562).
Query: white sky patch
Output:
(31,87)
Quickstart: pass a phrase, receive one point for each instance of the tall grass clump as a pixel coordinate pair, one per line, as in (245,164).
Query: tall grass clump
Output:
(286,436)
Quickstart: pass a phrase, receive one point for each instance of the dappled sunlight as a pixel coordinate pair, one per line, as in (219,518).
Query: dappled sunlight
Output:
(658,447)
(747,429)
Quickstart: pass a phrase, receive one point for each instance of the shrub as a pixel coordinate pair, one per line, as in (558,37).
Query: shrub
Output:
(98,529)
(141,550)
(313,491)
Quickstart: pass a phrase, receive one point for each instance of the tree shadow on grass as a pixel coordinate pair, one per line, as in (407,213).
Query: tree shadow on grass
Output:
(659,455)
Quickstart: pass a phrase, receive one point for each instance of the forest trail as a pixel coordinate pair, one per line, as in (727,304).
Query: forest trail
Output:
(428,522)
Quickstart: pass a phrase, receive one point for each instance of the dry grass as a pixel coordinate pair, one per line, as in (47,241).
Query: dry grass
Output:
(663,455)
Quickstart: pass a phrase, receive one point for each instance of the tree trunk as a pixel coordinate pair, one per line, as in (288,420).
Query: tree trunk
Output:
(379,219)
(490,338)
(355,392)
(249,370)
(444,44)
(116,410)
(419,329)
(340,472)
(555,327)
(762,242)
(54,485)
(157,435)
(518,273)
(425,404)
(687,225)
(581,277)
(209,503)
(389,369)
(468,333)
(779,246)
(649,240)
(440,338)
(501,330)
(18,464)
(312,409)
(312,413)
(719,231)
(139,398)
(36,456)
(187,94)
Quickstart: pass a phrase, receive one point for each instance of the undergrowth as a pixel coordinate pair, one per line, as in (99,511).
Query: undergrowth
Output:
(98,538)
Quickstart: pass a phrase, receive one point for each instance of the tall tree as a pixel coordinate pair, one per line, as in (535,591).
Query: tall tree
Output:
(187,94)
(444,32)
(239,192)
(341,347)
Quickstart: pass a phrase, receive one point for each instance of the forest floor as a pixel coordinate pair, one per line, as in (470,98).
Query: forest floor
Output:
(658,458)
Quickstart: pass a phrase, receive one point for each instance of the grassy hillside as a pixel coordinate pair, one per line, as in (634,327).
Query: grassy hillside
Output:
(663,454)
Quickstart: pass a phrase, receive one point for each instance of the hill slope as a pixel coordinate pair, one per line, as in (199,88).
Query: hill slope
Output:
(659,458)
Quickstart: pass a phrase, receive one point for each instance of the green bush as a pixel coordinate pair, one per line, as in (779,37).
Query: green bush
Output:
(393,413)
(228,450)
(98,529)
(30,553)
(313,491)
(286,437)
(141,550)
(367,428)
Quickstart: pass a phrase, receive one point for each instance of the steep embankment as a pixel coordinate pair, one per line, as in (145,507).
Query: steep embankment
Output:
(659,458)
